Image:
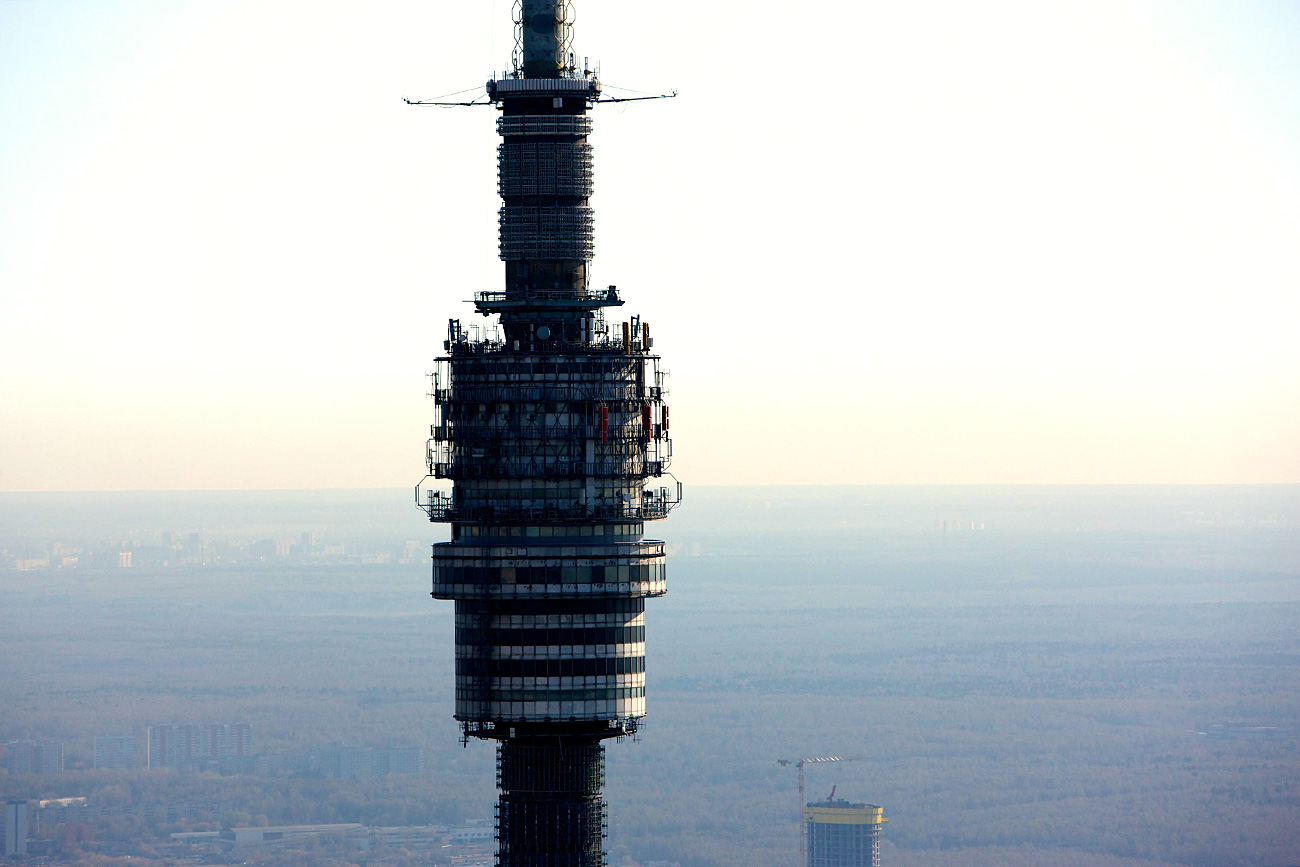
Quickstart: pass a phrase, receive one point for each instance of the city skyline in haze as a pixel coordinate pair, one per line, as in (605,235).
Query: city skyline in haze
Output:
(1004,244)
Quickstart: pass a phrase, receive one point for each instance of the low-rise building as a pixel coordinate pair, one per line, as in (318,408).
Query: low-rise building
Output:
(275,833)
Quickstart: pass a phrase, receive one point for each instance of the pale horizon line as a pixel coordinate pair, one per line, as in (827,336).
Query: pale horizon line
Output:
(697,487)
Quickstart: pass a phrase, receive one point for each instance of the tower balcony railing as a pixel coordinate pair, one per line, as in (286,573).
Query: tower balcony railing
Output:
(526,296)
(616,395)
(503,88)
(482,346)
(598,345)
(441,506)
(538,434)
(506,468)
(543,125)
(632,341)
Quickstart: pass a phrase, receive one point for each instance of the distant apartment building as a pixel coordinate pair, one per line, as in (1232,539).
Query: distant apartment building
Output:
(367,763)
(62,555)
(276,764)
(356,763)
(29,757)
(14,828)
(197,550)
(169,746)
(115,752)
(268,548)
(400,760)
(53,812)
(187,745)
(223,740)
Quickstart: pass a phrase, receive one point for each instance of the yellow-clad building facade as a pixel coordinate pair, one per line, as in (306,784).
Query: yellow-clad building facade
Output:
(842,834)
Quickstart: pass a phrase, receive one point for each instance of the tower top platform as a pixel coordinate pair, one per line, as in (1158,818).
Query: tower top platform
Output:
(504,88)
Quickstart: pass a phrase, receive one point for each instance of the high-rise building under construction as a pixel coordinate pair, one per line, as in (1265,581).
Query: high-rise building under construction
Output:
(841,834)
(549,426)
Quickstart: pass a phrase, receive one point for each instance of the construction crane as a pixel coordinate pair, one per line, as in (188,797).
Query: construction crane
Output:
(799,763)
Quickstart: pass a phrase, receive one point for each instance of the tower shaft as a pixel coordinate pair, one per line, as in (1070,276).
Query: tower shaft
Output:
(550,813)
(544,37)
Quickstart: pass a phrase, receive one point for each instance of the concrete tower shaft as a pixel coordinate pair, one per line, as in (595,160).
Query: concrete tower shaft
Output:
(549,430)
(544,162)
(544,38)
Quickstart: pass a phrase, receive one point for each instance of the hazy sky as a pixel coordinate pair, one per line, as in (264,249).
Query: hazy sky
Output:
(876,242)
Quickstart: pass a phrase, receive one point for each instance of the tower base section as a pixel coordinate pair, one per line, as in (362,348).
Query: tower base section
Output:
(550,812)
